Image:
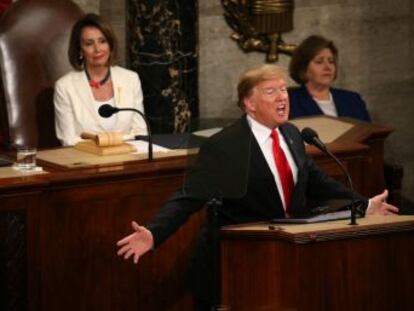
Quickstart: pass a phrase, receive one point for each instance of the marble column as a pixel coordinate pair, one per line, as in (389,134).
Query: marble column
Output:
(162,48)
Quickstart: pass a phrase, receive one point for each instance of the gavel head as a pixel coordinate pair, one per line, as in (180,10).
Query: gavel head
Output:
(109,139)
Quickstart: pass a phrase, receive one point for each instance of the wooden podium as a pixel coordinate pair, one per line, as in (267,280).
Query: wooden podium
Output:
(58,232)
(325,266)
(359,145)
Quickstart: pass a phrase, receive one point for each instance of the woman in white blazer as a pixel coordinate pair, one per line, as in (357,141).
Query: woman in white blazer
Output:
(96,81)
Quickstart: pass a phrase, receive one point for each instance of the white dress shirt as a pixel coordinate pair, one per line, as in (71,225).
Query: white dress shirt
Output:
(262,135)
(108,123)
(327,106)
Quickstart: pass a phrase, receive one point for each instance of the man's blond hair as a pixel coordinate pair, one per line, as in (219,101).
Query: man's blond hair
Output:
(254,76)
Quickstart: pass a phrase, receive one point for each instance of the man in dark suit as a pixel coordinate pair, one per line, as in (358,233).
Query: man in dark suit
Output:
(243,162)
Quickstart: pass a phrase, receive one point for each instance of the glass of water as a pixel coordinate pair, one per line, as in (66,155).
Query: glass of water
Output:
(25,158)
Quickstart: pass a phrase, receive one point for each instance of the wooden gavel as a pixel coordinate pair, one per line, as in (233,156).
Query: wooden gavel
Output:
(104,139)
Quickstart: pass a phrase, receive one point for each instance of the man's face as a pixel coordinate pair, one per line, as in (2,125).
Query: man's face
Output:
(269,103)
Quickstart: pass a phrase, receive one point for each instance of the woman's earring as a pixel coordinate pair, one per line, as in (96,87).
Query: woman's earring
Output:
(80,57)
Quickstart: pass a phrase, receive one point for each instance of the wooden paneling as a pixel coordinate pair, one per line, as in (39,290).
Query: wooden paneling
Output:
(369,272)
(19,260)
(80,227)
(69,222)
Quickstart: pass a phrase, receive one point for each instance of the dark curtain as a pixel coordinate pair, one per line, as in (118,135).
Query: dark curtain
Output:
(4,4)
(162,48)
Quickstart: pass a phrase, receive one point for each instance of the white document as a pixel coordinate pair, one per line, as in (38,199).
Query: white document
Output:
(142,146)
(318,218)
(207,132)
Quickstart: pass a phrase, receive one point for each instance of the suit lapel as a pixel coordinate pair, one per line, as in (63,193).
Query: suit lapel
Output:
(119,97)
(308,103)
(295,147)
(266,178)
(299,161)
(262,178)
(337,99)
(116,84)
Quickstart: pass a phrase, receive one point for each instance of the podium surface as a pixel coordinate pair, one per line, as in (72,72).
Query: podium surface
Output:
(323,266)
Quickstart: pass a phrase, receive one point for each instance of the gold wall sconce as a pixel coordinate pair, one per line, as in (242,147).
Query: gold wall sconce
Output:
(258,25)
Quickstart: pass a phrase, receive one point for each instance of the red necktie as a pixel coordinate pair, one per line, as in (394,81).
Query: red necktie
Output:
(283,167)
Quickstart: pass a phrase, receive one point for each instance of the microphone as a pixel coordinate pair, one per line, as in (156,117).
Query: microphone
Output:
(107,111)
(312,138)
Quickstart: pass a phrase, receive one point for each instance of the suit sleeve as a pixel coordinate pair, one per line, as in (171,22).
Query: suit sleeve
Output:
(189,198)
(173,215)
(364,114)
(64,116)
(322,186)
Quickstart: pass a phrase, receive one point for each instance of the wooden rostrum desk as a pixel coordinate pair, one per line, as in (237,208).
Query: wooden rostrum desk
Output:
(320,267)
(58,232)
(58,235)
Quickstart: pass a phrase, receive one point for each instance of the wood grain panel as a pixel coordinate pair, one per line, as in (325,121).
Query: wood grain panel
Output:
(371,272)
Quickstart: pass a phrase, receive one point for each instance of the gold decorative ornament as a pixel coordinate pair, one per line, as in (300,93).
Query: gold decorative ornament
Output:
(258,25)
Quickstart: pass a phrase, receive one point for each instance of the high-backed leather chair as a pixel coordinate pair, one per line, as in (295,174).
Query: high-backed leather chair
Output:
(34,36)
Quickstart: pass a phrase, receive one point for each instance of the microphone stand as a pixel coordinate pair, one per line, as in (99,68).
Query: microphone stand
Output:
(353,207)
(150,156)
(311,137)
(213,228)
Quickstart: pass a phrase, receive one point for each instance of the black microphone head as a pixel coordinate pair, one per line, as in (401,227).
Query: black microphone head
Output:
(312,138)
(309,135)
(107,110)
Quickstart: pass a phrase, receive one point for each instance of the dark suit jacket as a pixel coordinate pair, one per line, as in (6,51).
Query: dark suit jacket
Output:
(232,163)
(348,104)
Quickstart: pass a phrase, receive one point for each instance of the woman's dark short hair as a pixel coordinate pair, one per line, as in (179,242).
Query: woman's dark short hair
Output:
(90,20)
(305,52)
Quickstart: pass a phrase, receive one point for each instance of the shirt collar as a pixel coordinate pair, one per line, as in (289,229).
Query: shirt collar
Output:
(260,131)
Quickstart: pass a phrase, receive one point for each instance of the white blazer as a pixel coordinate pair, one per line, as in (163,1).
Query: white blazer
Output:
(75,111)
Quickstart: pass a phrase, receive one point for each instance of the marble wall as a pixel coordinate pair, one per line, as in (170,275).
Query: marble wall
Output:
(376,43)
(90,5)
(163,50)
(114,11)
